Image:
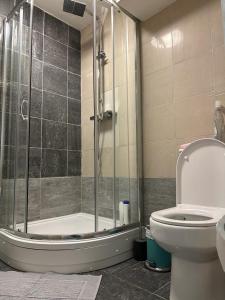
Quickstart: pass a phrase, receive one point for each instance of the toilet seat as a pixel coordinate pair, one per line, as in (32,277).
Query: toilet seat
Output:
(189,216)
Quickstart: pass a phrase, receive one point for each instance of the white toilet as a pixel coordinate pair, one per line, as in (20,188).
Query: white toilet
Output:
(188,231)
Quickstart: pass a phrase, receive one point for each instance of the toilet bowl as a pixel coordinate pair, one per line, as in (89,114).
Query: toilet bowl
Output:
(188,231)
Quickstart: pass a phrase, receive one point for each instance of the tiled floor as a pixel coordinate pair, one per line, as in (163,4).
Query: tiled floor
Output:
(128,281)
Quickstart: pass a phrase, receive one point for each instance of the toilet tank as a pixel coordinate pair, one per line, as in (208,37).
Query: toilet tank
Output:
(200,174)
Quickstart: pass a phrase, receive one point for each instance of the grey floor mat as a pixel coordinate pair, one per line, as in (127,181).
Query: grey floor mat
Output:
(19,285)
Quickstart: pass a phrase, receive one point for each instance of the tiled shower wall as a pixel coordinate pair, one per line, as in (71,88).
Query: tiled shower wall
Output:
(183,69)
(125,130)
(55,131)
(56,94)
(57,98)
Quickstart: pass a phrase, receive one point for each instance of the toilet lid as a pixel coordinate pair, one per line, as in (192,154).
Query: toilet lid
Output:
(201,174)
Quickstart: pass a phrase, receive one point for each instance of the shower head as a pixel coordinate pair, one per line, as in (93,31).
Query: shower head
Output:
(74,7)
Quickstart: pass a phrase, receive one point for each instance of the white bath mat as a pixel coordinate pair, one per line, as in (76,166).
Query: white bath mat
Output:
(20,285)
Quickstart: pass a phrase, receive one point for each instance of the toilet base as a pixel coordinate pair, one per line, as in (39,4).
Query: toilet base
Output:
(197,280)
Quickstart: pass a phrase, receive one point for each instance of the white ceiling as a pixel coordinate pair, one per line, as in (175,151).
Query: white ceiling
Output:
(142,9)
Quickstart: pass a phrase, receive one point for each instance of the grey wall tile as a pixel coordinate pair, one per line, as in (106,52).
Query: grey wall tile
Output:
(9,162)
(37,47)
(38,20)
(74,112)
(36,103)
(5,7)
(74,62)
(74,38)
(21,162)
(74,86)
(55,80)
(35,132)
(55,53)
(56,29)
(37,73)
(54,135)
(34,162)
(74,137)
(54,163)
(60,196)
(74,163)
(159,193)
(54,107)
(34,199)
(24,69)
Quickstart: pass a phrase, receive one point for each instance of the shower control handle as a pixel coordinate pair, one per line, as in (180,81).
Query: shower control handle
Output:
(24,117)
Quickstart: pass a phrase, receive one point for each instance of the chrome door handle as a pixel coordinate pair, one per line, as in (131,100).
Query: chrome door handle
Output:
(24,117)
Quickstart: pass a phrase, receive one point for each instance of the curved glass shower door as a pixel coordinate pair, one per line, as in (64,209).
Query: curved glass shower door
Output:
(15,116)
(69,135)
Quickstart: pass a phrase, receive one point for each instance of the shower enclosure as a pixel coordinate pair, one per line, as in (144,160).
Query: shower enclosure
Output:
(70,137)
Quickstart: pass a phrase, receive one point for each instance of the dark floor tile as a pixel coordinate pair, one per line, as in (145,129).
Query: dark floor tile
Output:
(37,47)
(37,74)
(38,19)
(114,288)
(120,266)
(164,291)
(54,163)
(56,29)
(74,86)
(55,53)
(55,80)
(54,135)
(143,278)
(74,61)
(74,137)
(74,163)
(74,38)
(36,103)
(54,107)
(74,112)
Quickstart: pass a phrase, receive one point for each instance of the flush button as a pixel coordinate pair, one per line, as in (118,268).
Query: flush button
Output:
(186,158)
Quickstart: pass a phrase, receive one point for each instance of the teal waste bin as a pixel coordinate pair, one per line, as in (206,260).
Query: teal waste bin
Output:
(157,258)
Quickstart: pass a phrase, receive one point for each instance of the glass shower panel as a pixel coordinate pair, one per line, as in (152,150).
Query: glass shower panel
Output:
(106,117)
(126,125)
(15,118)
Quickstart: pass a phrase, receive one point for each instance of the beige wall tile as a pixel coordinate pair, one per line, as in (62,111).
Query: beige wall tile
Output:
(178,96)
(106,162)
(158,123)
(87,163)
(87,136)
(87,85)
(194,117)
(191,31)
(157,54)
(193,77)
(133,161)
(160,159)
(158,88)
(122,161)
(216,23)
(219,68)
